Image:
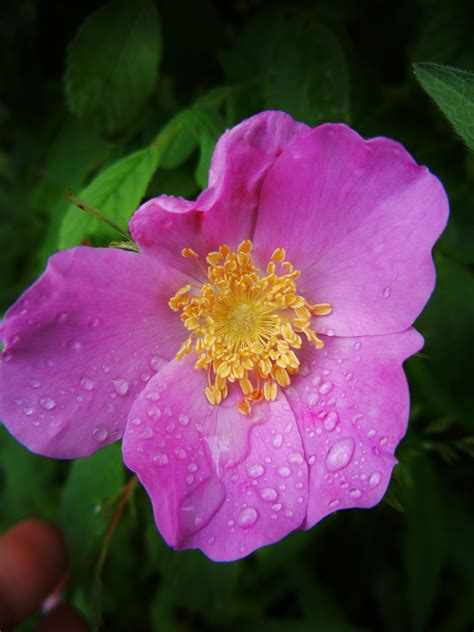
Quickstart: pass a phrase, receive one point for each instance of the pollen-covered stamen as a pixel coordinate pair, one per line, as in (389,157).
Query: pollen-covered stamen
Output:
(245,326)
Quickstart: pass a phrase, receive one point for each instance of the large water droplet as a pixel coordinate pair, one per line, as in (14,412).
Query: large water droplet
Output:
(120,386)
(247,517)
(200,505)
(100,433)
(47,403)
(340,454)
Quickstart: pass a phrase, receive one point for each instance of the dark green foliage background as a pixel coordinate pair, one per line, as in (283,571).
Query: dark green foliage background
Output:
(129,105)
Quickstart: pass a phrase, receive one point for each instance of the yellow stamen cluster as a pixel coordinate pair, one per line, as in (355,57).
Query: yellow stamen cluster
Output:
(244,326)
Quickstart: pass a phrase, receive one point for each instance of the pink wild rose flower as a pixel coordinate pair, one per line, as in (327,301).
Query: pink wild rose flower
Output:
(250,355)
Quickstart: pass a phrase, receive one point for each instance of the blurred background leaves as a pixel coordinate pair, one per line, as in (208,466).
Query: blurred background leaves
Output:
(124,100)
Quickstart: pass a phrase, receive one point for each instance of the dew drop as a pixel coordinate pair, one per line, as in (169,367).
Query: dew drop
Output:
(340,454)
(183,419)
(192,467)
(28,410)
(136,421)
(374,479)
(147,433)
(295,457)
(189,479)
(255,471)
(277,441)
(325,388)
(371,433)
(357,345)
(100,433)
(121,386)
(331,421)
(330,332)
(47,403)
(247,517)
(355,493)
(313,399)
(334,503)
(268,494)
(35,384)
(160,459)
(156,363)
(387,291)
(284,471)
(180,454)
(87,384)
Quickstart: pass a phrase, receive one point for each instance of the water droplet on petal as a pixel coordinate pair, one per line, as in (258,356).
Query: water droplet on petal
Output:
(277,441)
(28,410)
(255,471)
(87,384)
(284,471)
(100,433)
(268,494)
(183,420)
(355,493)
(192,467)
(295,457)
(340,454)
(156,363)
(180,454)
(331,421)
(371,433)
(325,388)
(374,479)
(62,317)
(47,403)
(387,291)
(330,332)
(94,322)
(120,386)
(357,345)
(334,503)
(247,517)
(160,459)
(136,421)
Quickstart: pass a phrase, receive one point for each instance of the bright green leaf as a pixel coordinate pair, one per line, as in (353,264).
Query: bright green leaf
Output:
(112,63)
(116,191)
(453,91)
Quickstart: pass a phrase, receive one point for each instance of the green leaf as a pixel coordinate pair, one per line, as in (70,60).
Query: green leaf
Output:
(87,504)
(423,544)
(442,376)
(116,191)
(306,73)
(177,140)
(453,91)
(26,481)
(112,63)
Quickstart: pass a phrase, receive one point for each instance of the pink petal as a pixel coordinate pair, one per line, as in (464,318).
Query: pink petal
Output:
(219,481)
(80,345)
(352,409)
(359,219)
(225,211)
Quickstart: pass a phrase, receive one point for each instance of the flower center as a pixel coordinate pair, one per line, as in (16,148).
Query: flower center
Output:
(245,326)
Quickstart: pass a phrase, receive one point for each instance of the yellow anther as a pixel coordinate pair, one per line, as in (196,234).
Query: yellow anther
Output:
(270,391)
(279,254)
(245,325)
(322,309)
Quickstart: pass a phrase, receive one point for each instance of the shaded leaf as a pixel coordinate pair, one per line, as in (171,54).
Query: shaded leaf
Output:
(453,91)
(112,63)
